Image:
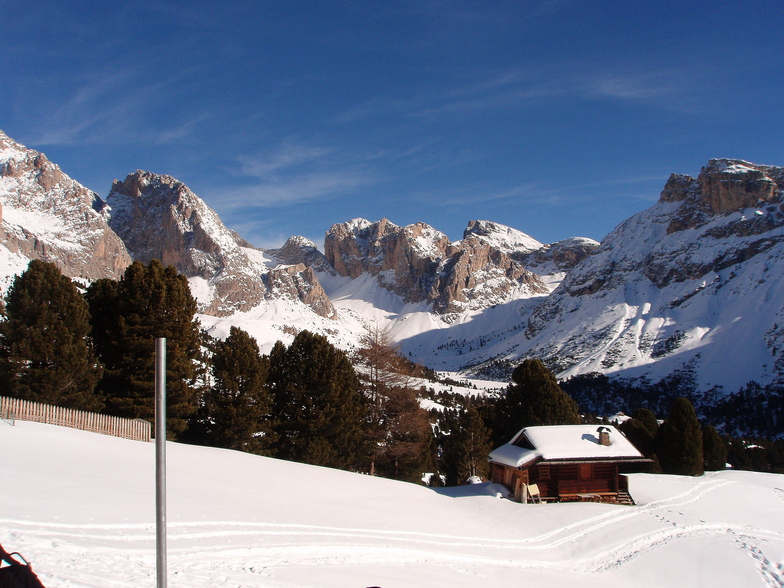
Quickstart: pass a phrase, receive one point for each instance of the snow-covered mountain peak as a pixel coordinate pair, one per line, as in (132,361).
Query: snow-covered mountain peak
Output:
(10,150)
(159,217)
(723,186)
(501,237)
(419,264)
(47,215)
(300,250)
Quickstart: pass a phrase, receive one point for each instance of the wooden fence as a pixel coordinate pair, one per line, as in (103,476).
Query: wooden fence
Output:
(24,410)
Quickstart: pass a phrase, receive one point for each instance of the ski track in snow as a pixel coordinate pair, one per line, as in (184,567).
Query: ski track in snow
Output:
(248,552)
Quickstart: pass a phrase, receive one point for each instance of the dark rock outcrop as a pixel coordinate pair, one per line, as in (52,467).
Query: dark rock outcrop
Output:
(159,217)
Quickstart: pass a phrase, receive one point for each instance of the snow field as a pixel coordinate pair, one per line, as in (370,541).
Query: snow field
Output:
(80,507)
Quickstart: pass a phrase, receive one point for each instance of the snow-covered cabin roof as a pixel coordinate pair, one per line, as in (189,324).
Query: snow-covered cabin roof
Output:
(564,443)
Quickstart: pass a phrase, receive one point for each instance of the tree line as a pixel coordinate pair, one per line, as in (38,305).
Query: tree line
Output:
(93,349)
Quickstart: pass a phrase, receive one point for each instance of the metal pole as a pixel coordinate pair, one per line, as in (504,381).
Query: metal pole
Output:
(160,460)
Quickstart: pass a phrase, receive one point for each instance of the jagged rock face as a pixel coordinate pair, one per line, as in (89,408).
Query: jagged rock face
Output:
(158,217)
(300,282)
(47,215)
(538,257)
(723,186)
(409,253)
(727,185)
(477,275)
(298,250)
(419,264)
(679,286)
(560,256)
(189,235)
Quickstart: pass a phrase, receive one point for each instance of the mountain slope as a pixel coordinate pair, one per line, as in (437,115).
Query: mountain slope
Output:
(47,215)
(691,285)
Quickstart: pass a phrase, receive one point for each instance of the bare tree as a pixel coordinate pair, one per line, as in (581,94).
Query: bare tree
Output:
(398,426)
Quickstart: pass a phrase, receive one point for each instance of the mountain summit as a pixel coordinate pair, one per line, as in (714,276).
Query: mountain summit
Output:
(421,265)
(159,217)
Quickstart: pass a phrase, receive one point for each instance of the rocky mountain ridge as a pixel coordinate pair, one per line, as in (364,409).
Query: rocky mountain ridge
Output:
(158,217)
(689,286)
(420,264)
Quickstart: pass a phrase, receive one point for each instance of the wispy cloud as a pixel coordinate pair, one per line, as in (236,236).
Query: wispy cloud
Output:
(635,86)
(179,132)
(540,193)
(295,173)
(302,188)
(290,155)
(115,100)
(92,106)
(521,88)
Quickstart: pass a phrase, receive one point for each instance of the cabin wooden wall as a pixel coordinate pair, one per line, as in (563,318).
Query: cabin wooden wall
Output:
(509,477)
(559,480)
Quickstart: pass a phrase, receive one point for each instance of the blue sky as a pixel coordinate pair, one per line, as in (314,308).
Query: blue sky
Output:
(557,117)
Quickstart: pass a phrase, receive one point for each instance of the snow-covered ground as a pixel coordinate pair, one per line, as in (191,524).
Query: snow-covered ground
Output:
(80,507)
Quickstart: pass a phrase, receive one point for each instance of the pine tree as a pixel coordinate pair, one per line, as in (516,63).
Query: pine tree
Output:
(147,303)
(679,442)
(533,399)
(45,351)
(318,409)
(470,446)
(641,430)
(714,451)
(236,408)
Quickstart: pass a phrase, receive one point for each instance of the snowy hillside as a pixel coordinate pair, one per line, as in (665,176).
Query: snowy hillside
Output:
(80,507)
(690,285)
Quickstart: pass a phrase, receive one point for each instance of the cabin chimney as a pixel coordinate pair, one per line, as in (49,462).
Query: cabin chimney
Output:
(604,436)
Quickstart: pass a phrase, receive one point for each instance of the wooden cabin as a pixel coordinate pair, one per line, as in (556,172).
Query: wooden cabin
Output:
(561,463)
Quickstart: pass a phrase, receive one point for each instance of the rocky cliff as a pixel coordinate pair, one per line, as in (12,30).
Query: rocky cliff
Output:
(159,217)
(420,264)
(47,215)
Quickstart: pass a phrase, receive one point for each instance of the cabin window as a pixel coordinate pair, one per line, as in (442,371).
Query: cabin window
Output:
(585,471)
(544,471)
